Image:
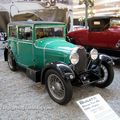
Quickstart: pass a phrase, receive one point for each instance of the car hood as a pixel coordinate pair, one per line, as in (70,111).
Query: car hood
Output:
(56,44)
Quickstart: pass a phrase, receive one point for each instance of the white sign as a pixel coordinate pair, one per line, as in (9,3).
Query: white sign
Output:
(96,108)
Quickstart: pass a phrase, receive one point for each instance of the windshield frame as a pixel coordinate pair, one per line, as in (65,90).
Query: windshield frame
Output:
(115,24)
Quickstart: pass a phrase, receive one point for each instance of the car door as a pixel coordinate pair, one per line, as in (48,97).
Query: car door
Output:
(12,39)
(99,39)
(99,34)
(25,46)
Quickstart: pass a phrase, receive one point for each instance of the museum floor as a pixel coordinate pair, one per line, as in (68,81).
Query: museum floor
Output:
(23,99)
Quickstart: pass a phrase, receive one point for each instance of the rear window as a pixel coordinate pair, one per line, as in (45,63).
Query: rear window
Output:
(114,22)
(96,23)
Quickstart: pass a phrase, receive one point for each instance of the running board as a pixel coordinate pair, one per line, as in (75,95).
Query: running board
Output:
(33,74)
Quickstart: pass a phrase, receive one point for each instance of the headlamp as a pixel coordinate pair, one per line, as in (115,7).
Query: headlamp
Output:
(94,54)
(74,57)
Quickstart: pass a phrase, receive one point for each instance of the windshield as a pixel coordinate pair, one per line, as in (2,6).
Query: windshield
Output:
(49,32)
(114,22)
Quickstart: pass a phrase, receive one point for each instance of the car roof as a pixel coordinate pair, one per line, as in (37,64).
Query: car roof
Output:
(35,23)
(102,17)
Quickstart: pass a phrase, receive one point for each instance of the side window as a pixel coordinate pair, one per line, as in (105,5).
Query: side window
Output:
(39,33)
(25,33)
(99,25)
(12,31)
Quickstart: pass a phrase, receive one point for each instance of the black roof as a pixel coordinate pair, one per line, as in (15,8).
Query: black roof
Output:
(34,22)
(102,17)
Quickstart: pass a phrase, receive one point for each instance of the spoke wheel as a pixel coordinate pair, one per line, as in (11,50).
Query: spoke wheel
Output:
(107,75)
(56,87)
(104,75)
(60,90)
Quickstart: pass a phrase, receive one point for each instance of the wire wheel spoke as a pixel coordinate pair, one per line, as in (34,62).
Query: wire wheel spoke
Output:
(10,61)
(104,74)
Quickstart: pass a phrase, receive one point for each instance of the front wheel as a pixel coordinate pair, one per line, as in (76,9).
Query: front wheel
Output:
(60,90)
(107,75)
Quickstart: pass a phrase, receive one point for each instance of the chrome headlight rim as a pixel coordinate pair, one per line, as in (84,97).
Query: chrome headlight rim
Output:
(94,54)
(74,56)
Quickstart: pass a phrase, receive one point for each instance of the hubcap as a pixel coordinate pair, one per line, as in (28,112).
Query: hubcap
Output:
(104,74)
(56,86)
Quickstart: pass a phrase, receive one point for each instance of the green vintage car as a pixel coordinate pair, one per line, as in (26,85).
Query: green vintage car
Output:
(41,47)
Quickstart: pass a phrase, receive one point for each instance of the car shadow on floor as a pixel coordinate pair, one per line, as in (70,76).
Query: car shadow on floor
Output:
(117,63)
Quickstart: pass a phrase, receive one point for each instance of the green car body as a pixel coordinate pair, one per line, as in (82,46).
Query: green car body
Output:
(43,49)
(39,52)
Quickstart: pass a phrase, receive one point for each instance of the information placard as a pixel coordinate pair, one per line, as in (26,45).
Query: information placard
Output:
(96,108)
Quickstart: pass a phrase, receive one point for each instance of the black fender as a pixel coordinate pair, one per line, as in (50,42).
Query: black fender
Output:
(5,54)
(106,58)
(70,39)
(64,70)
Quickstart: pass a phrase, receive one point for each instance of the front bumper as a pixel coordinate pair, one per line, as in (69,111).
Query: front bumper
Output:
(89,76)
(93,71)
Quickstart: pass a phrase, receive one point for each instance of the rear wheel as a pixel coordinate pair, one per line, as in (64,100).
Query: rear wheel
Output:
(11,61)
(107,75)
(60,90)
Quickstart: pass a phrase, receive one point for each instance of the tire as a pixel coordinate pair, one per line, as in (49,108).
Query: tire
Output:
(11,61)
(107,75)
(56,84)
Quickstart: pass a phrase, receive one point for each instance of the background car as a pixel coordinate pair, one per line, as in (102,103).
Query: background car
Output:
(3,39)
(77,27)
(103,33)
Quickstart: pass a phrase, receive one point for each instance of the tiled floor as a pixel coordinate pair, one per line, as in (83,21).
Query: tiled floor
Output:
(22,99)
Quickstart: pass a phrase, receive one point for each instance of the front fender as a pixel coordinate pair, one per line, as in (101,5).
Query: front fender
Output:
(5,54)
(106,58)
(64,70)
